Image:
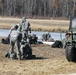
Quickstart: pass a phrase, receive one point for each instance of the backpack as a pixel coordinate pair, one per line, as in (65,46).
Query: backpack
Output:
(57,44)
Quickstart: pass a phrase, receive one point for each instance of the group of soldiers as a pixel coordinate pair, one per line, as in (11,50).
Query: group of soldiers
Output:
(47,37)
(18,35)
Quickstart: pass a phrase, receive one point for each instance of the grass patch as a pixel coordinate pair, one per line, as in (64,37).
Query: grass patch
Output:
(37,24)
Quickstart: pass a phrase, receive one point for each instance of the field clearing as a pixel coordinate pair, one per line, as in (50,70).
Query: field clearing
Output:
(50,61)
(37,24)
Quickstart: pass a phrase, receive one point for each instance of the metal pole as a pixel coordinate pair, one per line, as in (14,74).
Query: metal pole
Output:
(61,36)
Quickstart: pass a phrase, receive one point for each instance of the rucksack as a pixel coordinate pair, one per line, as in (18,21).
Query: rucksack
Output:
(57,44)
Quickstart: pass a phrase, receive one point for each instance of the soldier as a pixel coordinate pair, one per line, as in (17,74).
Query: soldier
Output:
(44,37)
(15,39)
(67,37)
(24,28)
(14,27)
(11,40)
(7,40)
(47,37)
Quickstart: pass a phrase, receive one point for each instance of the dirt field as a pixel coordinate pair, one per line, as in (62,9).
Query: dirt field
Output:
(48,61)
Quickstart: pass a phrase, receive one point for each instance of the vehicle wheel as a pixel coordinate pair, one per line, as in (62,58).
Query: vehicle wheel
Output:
(71,53)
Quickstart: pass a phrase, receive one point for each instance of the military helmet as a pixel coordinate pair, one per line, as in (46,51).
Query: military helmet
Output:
(47,33)
(15,26)
(23,19)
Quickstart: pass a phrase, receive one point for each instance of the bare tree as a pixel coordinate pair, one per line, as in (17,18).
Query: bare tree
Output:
(38,8)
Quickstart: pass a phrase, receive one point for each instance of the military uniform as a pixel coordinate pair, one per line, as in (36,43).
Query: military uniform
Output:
(14,27)
(20,35)
(24,28)
(47,37)
(14,40)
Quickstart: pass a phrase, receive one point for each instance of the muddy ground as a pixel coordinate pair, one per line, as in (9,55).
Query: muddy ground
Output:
(48,61)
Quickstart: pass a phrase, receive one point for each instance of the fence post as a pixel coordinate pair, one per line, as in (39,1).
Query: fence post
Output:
(61,36)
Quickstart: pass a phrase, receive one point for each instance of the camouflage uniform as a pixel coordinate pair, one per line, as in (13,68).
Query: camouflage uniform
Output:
(47,37)
(14,39)
(24,28)
(14,27)
(66,39)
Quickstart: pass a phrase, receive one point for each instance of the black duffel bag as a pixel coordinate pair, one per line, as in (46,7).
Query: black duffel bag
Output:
(57,44)
(6,40)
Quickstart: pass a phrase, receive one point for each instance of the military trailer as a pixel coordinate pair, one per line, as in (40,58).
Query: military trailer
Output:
(71,41)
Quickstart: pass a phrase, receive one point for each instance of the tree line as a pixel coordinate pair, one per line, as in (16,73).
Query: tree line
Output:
(38,8)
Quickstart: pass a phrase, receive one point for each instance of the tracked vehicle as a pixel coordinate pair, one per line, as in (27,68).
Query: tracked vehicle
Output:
(71,41)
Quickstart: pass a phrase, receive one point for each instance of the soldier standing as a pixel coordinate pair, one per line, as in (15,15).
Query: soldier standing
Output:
(24,28)
(11,40)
